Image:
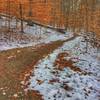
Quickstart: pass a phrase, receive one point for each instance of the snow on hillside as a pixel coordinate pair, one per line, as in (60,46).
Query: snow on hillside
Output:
(32,35)
(67,84)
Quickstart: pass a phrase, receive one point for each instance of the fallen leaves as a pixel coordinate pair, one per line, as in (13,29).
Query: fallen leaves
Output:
(61,63)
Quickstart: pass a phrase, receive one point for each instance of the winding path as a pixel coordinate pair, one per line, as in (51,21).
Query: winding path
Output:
(17,65)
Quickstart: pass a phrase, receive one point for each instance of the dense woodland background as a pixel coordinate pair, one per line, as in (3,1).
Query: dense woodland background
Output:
(75,15)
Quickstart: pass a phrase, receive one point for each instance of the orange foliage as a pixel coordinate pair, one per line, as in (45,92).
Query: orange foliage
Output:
(50,14)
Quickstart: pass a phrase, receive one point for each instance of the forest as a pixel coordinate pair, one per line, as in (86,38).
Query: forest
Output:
(49,49)
(76,15)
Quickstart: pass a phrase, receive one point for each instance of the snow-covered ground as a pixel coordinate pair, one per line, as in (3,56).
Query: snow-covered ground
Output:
(67,84)
(32,36)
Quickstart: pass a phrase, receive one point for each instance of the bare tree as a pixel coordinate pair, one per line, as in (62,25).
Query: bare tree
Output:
(8,8)
(30,13)
(21,17)
(30,8)
(66,8)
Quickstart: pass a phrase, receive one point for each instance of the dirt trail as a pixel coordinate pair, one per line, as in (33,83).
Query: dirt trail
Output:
(46,49)
(17,65)
(42,52)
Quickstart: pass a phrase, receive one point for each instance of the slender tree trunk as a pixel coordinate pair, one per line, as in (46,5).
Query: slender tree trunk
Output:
(8,14)
(87,26)
(92,13)
(21,16)
(30,8)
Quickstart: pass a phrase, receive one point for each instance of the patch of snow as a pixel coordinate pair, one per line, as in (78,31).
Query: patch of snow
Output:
(35,35)
(81,87)
(4,93)
(15,95)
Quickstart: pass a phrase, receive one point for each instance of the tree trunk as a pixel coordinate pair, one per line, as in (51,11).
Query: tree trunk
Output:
(21,16)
